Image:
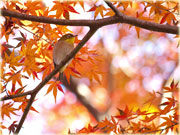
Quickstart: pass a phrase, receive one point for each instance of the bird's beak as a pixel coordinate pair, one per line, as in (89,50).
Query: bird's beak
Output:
(75,35)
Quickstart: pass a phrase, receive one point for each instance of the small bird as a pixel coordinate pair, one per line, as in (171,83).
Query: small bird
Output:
(61,49)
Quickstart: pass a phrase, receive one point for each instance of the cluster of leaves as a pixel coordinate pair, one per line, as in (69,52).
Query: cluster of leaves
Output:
(33,56)
(142,121)
(160,12)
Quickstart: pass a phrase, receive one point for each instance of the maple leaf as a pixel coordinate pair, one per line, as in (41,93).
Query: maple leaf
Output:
(63,8)
(109,12)
(30,53)
(150,128)
(47,68)
(173,87)
(87,63)
(14,77)
(12,60)
(124,114)
(139,112)
(108,126)
(33,6)
(153,7)
(135,127)
(167,123)
(125,4)
(140,16)
(152,98)
(21,10)
(92,9)
(71,71)
(54,85)
(89,129)
(12,127)
(168,17)
(2,126)
(8,24)
(24,104)
(97,10)
(150,118)
(18,91)
(176,113)
(7,109)
(169,104)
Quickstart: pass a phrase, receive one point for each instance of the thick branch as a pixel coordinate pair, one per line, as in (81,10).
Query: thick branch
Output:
(143,24)
(55,71)
(119,18)
(49,20)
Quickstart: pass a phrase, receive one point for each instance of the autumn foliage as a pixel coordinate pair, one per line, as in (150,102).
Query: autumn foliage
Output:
(115,69)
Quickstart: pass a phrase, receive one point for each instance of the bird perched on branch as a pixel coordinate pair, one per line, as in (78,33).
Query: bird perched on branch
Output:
(62,48)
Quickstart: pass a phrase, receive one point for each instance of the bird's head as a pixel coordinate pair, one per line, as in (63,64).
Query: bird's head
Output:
(70,38)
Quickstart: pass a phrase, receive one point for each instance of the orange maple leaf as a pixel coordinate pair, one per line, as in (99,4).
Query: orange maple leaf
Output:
(124,114)
(98,10)
(173,87)
(150,118)
(14,77)
(54,85)
(169,104)
(7,109)
(108,126)
(168,123)
(89,129)
(64,7)
(13,60)
(24,104)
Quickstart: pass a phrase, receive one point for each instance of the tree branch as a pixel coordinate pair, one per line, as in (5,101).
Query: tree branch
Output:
(16,96)
(116,11)
(55,71)
(26,110)
(161,129)
(118,18)
(144,24)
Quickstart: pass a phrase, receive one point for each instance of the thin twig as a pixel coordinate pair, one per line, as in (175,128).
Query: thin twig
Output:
(15,96)
(116,11)
(161,129)
(162,8)
(34,34)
